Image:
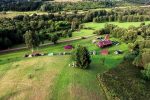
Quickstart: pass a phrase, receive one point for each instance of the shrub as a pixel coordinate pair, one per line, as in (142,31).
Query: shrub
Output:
(146,72)
(54,38)
(69,33)
(130,56)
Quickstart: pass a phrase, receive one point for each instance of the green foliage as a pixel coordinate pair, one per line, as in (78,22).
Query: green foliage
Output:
(130,35)
(118,32)
(12,30)
(130,56)
(138,61)
(54,38)
(82,57)
(74,24)
(8,5)
(109,28)
(146,72)
(124,83)
(69,33)
(31,39)
(65,32)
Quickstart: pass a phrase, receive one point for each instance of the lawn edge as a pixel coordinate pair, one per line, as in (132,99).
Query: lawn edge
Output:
(103,87)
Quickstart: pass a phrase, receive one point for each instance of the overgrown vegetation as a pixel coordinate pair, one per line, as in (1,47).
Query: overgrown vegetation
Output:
(124,82)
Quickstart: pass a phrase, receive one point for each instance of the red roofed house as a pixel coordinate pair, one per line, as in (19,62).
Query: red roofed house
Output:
(104,43)
(104,52)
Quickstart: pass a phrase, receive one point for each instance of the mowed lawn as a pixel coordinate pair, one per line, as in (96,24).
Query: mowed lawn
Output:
(45,78)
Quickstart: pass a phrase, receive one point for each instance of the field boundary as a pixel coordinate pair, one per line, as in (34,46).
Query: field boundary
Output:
(108,97)
(46,44)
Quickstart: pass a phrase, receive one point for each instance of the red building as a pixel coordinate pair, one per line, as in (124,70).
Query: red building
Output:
(104,52)
(104,43)
(68,47)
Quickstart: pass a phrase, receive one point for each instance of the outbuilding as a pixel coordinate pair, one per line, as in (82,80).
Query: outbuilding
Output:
(68,47)
(104,52)
(104,43)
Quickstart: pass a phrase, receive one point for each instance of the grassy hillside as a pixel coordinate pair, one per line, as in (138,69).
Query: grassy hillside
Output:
(47,78)
(51,77)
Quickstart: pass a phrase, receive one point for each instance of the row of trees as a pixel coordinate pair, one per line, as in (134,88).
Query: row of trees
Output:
(53,6)
(19,6)
(117,14)
(126,18)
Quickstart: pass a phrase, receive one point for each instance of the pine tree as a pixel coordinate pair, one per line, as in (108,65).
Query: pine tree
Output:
(82,57)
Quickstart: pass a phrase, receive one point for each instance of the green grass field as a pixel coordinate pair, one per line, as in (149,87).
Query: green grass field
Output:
(123,25)
(51,78)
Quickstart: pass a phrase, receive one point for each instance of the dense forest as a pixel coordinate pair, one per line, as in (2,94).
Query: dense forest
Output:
(12,30)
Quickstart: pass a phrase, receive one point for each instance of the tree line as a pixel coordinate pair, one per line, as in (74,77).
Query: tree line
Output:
(55,6)
(19,6)
(12,30)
